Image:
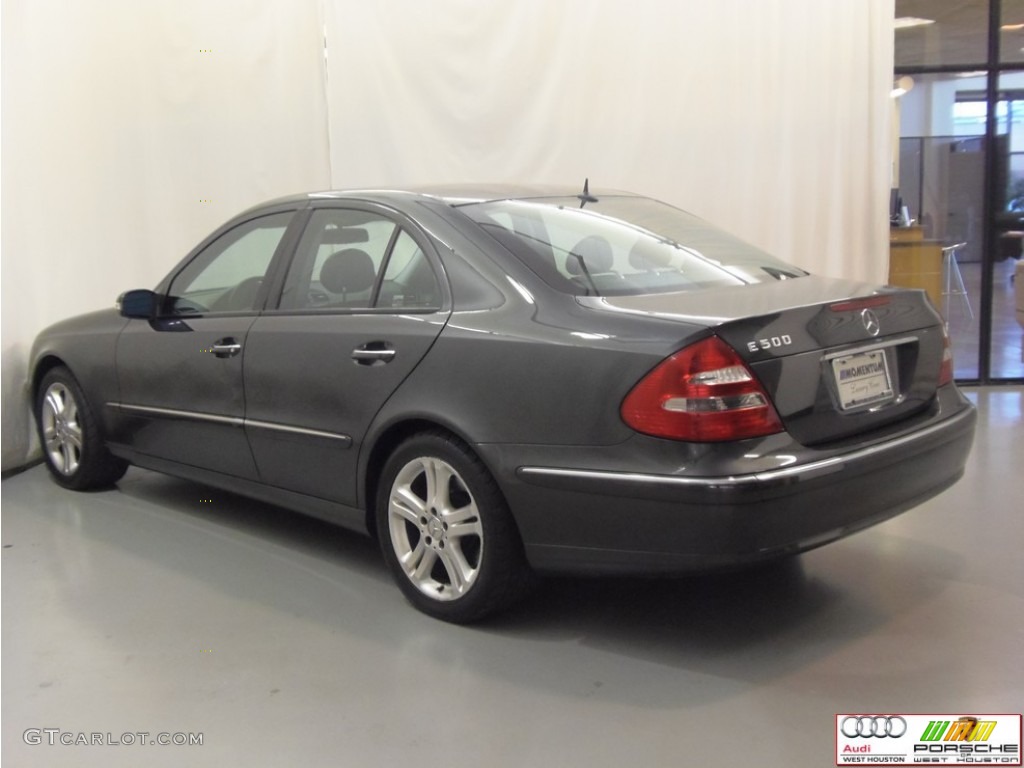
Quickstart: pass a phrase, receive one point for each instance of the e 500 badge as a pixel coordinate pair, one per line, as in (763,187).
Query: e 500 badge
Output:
(770,343)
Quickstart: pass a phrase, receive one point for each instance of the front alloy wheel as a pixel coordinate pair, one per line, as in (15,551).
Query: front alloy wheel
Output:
(72,445)
(446,531)
(61,432)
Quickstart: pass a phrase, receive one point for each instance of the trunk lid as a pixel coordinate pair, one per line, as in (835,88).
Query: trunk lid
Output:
(838,358)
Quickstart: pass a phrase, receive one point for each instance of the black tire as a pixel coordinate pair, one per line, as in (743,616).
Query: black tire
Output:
(454,525)
(70,436)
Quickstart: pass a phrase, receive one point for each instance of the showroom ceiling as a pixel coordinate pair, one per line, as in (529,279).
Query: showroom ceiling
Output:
(958,34)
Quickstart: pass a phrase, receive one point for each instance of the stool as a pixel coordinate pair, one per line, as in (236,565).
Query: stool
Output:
(954,279)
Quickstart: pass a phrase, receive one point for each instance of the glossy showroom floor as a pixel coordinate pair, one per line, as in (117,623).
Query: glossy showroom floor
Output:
(163,606)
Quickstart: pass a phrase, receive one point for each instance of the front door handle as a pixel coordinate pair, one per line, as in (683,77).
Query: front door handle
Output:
(227,347)
(374,353)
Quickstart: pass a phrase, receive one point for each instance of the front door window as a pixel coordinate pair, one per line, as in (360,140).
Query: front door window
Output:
(228,274)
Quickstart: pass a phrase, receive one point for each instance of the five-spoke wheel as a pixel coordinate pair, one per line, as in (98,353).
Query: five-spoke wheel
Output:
(435,528)
(446,531)
(61,432)
(72,446)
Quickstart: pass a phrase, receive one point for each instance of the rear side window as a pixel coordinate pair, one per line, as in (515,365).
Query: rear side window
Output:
(623,246)
(408,280)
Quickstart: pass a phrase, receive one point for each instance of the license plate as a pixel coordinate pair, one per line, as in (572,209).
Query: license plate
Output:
(862,379)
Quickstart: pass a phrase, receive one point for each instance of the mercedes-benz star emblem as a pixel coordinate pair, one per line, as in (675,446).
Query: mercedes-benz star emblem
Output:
(870,320)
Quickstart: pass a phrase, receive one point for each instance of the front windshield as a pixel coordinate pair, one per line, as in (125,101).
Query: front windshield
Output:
(621,245)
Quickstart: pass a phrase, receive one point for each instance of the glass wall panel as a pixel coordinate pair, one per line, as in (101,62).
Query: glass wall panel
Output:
(1007,334)
(942,184)
(964,192)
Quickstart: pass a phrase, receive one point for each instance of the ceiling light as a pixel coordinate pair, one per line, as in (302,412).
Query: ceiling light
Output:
(911,21)
(1011,27)
(901,86)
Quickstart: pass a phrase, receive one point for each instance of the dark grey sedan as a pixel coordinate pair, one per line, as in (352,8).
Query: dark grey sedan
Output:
(497,382)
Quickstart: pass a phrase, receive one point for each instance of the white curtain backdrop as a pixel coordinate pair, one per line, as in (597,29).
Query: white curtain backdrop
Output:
(130,129)
(770,117)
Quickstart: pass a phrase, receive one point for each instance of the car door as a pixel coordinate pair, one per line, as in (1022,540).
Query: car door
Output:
(359,307)
(180,374)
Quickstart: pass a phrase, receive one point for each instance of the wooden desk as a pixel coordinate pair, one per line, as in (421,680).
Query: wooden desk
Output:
(915,262)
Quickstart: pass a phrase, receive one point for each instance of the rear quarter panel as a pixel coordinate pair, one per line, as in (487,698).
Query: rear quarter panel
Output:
(526,374)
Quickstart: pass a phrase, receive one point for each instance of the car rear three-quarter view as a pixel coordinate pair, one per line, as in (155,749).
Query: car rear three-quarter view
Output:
(502,382)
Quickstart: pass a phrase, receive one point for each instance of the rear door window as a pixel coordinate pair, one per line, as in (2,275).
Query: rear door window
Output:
(354,259)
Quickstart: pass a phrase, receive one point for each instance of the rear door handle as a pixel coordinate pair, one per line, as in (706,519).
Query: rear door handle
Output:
(374,353)
(227,347)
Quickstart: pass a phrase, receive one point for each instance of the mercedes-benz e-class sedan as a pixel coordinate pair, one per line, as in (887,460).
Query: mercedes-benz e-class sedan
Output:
(497,382)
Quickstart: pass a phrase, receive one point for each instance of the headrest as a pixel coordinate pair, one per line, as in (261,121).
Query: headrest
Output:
(343,236)
(347,271)
(645,255)
(596,253)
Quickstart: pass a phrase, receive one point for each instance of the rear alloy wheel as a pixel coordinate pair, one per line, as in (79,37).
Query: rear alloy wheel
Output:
(74,452)
(446,531)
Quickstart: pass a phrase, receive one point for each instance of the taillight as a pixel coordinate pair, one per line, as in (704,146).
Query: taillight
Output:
(703,393)
(946,368)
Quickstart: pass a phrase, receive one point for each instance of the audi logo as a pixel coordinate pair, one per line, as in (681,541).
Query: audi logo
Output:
(873,726)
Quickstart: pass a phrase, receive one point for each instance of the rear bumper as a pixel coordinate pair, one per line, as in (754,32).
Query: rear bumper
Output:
(578,519)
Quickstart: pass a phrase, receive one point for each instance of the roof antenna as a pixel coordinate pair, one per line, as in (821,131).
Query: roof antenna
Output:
(586,197)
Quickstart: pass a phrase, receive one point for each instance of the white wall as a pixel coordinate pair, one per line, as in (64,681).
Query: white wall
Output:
(771,118)
(915,110)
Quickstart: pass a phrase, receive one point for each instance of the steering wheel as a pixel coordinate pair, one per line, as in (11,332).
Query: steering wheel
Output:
(240,297)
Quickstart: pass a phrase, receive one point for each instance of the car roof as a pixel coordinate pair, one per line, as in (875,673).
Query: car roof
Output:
(453,194)
(478,193)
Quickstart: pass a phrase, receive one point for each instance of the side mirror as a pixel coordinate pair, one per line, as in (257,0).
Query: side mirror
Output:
(140,304)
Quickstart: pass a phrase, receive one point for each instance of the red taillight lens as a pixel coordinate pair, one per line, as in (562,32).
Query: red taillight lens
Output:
(946,369)
(704,393)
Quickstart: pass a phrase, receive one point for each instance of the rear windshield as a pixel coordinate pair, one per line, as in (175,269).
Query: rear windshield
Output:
(622,246)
